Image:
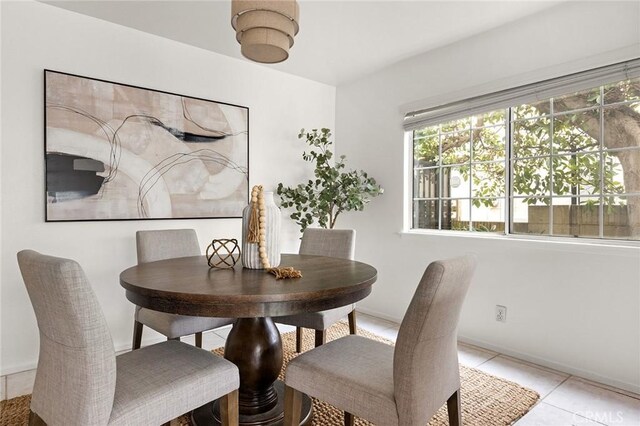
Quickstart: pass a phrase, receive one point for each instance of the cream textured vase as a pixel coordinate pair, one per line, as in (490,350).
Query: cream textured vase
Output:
(250,254)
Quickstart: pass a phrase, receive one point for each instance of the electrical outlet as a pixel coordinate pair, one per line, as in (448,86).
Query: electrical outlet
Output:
(501,313)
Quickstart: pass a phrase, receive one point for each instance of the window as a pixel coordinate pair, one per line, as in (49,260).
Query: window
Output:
(568,165)
(459,174)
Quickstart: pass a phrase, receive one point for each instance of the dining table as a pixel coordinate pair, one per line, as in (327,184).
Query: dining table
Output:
(188,286)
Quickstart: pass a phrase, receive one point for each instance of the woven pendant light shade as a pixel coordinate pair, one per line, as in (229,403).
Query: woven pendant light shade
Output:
(265,29)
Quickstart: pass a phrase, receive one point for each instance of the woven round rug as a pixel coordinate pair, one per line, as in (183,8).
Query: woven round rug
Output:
(486,400)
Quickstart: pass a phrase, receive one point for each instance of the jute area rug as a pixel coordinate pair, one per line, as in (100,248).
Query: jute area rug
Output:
(486,400)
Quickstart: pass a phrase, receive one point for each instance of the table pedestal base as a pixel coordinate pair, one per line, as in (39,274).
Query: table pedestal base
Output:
(209,414)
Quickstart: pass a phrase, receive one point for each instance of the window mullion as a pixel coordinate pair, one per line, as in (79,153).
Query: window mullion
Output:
(508,167)
(601,206)
(440,177)
(551,153)
(415,213)
(470,175)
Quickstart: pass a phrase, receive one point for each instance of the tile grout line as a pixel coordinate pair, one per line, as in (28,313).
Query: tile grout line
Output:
(606,387)
(552,390)
(487,360)
(532,365)
(542,398)
(575,414)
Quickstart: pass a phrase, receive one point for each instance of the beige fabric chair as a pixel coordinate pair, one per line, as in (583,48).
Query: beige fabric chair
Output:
(167,244)
(404,386)
(324,242)
(80,381)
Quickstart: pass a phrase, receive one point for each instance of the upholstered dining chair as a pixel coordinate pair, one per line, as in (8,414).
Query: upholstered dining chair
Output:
(80,380)
(404,386)
(167,244)
(324,242)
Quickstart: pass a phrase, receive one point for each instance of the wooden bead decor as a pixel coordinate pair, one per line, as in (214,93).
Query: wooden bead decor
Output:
(223,253)
(257,233)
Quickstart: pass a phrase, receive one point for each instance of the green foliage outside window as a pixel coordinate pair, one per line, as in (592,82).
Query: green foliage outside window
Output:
(556,149)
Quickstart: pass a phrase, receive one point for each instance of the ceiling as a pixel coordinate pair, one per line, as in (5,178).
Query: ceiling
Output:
(339,41)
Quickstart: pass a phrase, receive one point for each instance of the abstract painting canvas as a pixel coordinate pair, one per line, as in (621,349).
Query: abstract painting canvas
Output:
(120,152)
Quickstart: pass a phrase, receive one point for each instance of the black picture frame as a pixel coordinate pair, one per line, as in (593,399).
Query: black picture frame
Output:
(74,125)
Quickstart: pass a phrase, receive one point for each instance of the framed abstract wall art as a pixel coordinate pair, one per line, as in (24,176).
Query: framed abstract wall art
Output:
(120,152)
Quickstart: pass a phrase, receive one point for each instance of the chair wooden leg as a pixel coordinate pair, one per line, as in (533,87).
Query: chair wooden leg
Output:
(348,419)
(352,322)
(199,340)
(455,410)
(137,335)
(292,406)
(35,420)
(298,339)
(229,409)
(321,337)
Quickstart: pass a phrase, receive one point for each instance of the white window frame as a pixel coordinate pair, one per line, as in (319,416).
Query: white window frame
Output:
(509,197)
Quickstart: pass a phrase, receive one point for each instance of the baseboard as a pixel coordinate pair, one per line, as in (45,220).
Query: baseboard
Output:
(585,374)
(20,368)
(377,314)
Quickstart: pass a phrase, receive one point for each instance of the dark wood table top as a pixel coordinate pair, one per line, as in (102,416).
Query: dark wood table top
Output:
(188,286)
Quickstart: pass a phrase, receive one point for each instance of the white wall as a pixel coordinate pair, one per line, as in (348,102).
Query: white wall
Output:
(574,307)
(37,36)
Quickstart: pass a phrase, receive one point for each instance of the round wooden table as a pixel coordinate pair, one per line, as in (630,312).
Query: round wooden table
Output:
(187,286)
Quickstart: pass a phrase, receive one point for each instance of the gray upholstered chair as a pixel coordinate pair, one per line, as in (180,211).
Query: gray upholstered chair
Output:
(167,244)
(80,381)
(324,242)
(404,386)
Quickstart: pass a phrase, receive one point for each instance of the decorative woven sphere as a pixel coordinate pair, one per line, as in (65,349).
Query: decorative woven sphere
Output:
(223,253)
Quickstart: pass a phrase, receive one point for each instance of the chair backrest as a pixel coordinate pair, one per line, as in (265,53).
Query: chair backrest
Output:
(425,364)
(76,375)
(329,242)
(166,244)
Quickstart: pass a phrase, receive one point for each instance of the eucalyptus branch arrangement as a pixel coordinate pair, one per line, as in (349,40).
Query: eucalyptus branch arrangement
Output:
(334,189)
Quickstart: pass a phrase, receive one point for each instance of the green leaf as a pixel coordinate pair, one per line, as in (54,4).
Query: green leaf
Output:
(333,190)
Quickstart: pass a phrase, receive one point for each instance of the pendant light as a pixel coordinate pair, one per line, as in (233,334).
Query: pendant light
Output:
(265,29)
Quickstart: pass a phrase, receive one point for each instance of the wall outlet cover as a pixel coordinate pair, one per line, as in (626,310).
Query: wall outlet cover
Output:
(501,313)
